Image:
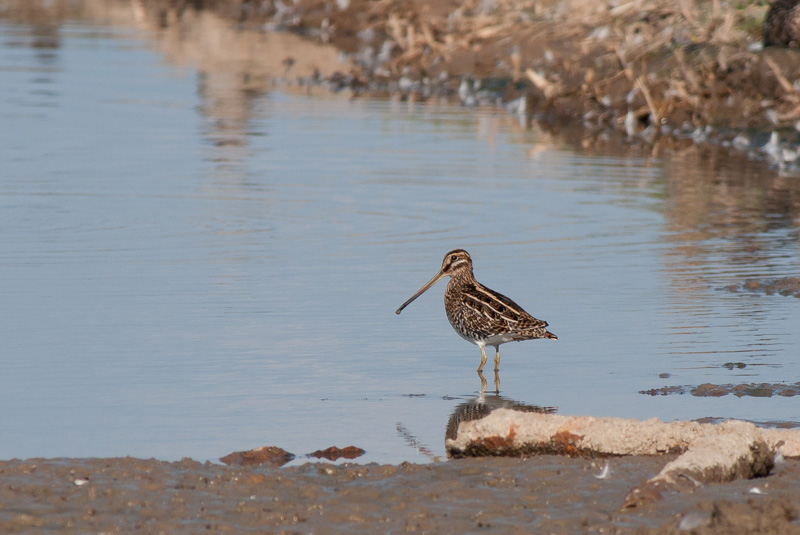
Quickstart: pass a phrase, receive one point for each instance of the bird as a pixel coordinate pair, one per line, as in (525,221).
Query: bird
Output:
(479,315)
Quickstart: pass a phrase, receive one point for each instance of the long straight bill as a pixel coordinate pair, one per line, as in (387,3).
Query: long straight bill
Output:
(422,290)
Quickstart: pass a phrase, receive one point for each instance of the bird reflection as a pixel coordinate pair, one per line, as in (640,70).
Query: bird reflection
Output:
(483,405)
(484,384)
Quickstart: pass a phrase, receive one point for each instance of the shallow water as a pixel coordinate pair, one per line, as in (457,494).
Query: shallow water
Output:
(191,269)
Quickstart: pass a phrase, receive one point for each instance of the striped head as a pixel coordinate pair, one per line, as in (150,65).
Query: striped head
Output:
(457,263)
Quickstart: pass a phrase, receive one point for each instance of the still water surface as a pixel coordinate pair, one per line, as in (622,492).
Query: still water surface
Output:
(186,273)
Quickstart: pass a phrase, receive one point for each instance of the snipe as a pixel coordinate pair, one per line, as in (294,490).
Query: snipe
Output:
(480,315)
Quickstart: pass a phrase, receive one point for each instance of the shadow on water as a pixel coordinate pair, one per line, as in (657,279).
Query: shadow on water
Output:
(473,409)
(484,383)
(482,405)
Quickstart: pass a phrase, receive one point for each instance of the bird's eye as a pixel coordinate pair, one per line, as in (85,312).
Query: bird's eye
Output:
(453,258)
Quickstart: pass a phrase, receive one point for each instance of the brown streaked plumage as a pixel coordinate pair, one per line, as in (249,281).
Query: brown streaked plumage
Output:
(480,315)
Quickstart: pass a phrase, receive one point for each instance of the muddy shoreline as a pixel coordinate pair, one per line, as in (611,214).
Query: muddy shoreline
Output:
(662,76)
(545,494)
(637,73)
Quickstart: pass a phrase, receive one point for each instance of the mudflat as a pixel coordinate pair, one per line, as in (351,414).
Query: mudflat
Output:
(542,494)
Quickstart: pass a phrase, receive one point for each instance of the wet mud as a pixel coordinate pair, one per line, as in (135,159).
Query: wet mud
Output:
(533,494)
(276,456)
(787,286)
(758,390)
(264,455)
(333,453)
(545,494)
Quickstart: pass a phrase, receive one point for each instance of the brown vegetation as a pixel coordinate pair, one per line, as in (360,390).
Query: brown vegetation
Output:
(628,64)
(662,74)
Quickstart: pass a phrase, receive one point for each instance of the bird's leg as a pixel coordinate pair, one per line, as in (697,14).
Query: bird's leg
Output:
(496,382)
(496,358)
(483,358)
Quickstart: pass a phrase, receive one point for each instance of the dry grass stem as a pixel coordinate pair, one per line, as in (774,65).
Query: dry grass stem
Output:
(778,76)
(640,83)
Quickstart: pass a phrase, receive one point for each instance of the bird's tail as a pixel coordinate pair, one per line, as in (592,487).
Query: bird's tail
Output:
(548,334)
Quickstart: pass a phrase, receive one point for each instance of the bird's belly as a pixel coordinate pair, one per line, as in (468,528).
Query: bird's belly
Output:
(497,339)
(491,340)
(480,338)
